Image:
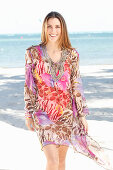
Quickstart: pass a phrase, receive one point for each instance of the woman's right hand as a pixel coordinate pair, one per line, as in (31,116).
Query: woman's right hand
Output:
(30,124)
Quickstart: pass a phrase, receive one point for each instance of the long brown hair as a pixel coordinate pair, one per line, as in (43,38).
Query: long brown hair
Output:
(64,41)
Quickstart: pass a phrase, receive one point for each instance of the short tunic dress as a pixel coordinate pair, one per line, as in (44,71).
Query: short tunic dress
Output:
(54,98)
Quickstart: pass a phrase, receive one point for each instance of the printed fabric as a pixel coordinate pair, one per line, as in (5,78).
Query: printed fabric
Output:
(54,98)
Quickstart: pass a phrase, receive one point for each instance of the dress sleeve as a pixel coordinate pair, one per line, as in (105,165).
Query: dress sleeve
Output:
(29,86)
(77,87)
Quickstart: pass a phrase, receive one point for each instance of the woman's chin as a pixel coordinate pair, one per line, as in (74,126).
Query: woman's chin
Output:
(53,40)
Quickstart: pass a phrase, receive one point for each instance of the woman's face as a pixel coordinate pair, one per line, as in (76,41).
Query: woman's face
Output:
(53,29)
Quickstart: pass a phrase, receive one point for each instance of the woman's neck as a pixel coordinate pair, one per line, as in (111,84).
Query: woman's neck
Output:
(53,47)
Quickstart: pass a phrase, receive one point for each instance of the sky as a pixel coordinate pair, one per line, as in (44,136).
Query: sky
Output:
(26,16)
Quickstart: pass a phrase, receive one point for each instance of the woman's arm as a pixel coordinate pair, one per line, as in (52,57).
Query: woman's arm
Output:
(77,88)
(29,86)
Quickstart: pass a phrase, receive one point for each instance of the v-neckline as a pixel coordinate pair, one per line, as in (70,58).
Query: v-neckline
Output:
(43,56)
(56,68)
(44,49)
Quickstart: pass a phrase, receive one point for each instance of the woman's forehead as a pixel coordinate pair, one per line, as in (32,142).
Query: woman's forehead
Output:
(53,21)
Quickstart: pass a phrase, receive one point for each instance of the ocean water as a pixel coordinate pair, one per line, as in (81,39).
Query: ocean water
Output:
(93,48)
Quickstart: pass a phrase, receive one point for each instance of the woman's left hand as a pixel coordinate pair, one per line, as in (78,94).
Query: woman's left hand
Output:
(83,121)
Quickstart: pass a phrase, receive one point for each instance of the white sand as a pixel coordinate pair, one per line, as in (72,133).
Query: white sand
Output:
(20,148)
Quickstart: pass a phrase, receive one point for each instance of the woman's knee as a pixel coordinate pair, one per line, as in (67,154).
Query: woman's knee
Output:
(53,162)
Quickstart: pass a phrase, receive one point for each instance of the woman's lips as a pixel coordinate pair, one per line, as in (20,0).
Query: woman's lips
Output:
(52,35)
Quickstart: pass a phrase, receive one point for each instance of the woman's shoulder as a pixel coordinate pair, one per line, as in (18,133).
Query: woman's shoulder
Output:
(32,52)
(33,47)
(74,55)
(75,52)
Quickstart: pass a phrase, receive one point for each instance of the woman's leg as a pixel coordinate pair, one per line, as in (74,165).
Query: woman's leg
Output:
(52,156)
(62,156)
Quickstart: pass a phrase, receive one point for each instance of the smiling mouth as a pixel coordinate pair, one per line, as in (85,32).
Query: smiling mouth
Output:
(52,35)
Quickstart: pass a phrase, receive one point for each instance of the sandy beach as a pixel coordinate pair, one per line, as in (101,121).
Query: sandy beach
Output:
(20,148)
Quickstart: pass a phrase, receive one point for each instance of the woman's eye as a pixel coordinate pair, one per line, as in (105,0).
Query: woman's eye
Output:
(57,26)
(49,26)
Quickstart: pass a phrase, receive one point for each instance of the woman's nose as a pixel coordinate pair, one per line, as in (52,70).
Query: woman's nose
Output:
(53,30)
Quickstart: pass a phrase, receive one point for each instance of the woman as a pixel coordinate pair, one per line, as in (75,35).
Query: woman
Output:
(54,100)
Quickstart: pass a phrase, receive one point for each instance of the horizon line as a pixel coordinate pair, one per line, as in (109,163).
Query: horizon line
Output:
(77,32)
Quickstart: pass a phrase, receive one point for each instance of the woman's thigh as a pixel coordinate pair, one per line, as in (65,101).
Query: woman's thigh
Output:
(51,153)
(62,150)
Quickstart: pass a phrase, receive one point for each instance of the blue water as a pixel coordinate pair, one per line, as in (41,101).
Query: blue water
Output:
(93,48)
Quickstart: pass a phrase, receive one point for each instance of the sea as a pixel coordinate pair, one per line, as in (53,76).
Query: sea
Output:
(94,48)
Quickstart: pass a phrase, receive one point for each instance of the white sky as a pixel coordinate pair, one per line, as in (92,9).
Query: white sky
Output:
(26,16)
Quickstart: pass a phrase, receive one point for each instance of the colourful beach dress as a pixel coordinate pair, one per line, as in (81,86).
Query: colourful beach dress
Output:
(54,98)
